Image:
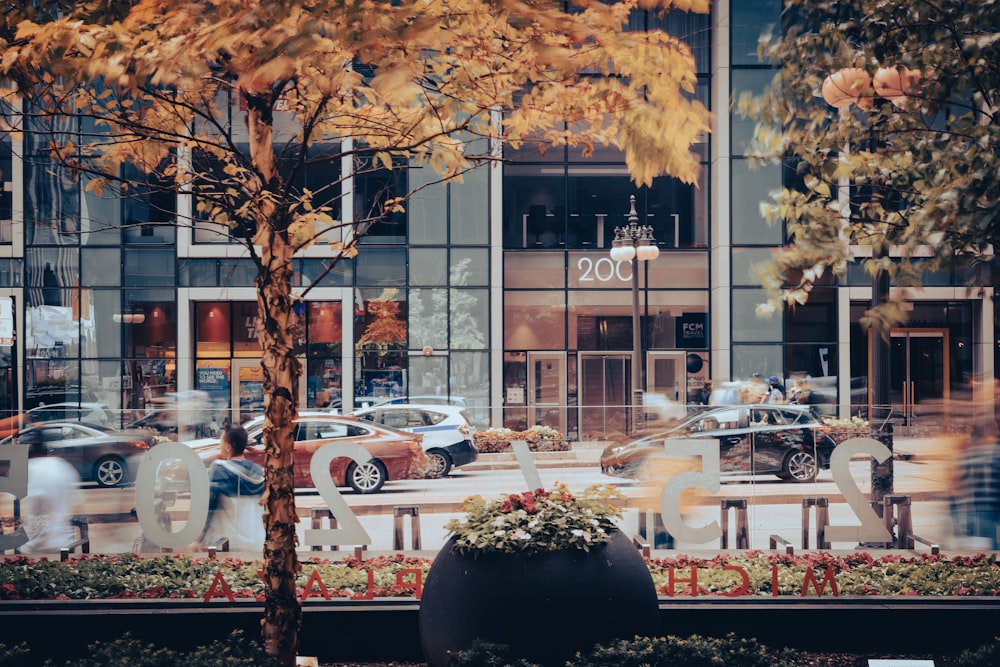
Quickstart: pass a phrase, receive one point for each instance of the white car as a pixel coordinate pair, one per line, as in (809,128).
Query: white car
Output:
(447,431)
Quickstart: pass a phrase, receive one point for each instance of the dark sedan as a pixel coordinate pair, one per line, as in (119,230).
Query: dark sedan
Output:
(784,440)
(106,456)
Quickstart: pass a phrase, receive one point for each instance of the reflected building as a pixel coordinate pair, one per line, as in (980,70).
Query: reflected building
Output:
(499,290)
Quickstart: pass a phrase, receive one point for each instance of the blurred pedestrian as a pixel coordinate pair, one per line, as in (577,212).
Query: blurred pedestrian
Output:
(755,390)
(236,485)
(799,392)
(775,391)
(976,488)
(702,394)
(52,489)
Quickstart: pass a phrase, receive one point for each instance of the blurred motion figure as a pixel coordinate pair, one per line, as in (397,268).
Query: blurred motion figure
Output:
(52,488)
(236,485)
(975,502)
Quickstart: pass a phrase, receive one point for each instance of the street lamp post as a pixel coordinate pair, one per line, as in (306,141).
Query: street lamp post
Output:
(841,89)
(634,243)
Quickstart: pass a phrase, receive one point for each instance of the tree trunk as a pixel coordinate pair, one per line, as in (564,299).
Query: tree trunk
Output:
(276,324)
(282,610)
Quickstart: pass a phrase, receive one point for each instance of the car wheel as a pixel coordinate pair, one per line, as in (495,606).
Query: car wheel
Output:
(109,471)
(438,464)
(366,478)
(799,466)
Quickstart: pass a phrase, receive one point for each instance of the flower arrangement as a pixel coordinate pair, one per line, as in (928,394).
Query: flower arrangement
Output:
(536,521)
(539,439)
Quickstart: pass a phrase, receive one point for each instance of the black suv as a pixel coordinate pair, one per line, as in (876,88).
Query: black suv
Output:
(784,440)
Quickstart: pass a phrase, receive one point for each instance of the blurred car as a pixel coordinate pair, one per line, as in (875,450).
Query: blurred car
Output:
(784,440)
(90,413)
(395,454)
(103,455)
(431,399)
(192,408)
(446,430)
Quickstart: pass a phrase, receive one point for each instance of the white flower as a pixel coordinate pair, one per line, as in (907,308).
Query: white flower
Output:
(500,533)
(577,533)
(533,523)
(521,535)
(499,521)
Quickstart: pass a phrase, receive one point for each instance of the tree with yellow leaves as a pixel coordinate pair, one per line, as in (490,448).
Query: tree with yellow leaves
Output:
(229,102)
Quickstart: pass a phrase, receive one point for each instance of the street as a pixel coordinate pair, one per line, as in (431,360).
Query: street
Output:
(774,507)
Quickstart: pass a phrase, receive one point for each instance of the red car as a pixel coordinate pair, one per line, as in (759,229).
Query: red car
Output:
(395,454)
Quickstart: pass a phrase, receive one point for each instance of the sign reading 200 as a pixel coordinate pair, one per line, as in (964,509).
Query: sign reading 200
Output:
(602,270)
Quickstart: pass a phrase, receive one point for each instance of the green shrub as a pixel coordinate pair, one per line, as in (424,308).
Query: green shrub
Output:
(486,654)
(987,655)
(16,656)
(234,651)
(694,651)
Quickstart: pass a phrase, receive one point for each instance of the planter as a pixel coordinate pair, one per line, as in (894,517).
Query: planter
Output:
(546,606)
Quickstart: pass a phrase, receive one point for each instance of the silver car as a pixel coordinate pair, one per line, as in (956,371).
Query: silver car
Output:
(447,431)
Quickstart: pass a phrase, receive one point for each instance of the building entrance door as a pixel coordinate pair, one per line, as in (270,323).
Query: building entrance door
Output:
(547,390)
(666,374)
(919,386)
(248,389)
(605,381)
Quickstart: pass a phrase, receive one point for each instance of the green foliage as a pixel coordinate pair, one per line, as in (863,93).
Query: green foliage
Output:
(858,574)
(234,651)
(987,655)
(694,651)
(536,521)
(923,166)
(487,654)
(182,576)
(15,656)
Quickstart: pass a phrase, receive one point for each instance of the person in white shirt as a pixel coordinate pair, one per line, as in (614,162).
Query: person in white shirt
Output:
(53,484)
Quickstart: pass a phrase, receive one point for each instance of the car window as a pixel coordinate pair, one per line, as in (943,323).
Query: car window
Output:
(767,416)
(727,419)
(321,430)
(74,432)
(433,417)
(52,434)
(354,431)
(395,419)
(795,416)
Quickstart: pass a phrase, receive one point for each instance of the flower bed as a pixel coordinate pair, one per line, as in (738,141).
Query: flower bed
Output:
(845,429)
(129,576)
(539,439)
(181,576)
(758,573)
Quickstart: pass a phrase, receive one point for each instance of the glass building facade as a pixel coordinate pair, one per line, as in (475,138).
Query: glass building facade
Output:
(500,290)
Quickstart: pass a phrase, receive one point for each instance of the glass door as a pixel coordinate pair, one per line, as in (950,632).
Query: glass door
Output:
(666,374)
(248,389)
(604,384)
(547,390)
(919,378)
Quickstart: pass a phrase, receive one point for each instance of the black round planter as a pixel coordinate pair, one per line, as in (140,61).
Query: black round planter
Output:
(545,607)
